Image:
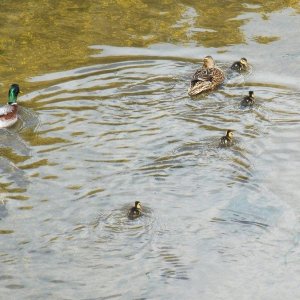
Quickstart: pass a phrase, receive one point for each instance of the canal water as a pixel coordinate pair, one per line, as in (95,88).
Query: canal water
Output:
(105,120)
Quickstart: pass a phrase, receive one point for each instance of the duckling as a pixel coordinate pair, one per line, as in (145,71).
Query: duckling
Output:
(241,65)
(248,100)
(135,211)
(207,78)
(8,112)
(227,140)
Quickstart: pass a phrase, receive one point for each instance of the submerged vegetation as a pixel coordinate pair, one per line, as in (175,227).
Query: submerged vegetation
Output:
(72,26)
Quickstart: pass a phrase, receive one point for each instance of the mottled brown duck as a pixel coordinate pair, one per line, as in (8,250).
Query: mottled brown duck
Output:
(207,78)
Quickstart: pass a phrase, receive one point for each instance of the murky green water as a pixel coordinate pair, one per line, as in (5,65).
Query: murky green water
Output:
(105,120)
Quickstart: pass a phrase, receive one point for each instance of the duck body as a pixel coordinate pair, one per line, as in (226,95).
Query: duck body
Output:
(240,66)
(9,112)
(135,211)
(207,78)
(227,140)
(8,115)
(248,100)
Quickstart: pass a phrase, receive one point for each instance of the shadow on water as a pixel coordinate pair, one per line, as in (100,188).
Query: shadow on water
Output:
(3,210)
(14,150)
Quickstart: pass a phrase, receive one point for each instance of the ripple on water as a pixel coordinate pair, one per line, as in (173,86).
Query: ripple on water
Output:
(12,175)
(115,226)
(30,119)
(125,130)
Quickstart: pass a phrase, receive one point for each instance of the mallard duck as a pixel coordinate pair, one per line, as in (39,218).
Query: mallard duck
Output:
(227,140)
(135,211)
(8,112)
(207,78)
(248,100)
(241,65)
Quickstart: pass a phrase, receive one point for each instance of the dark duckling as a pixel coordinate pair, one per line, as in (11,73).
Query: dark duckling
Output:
(207,78)
(227,140)
(241,65)
(248,100)
(135,211)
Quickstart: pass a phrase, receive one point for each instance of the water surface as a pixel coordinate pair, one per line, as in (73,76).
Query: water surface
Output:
(105,120)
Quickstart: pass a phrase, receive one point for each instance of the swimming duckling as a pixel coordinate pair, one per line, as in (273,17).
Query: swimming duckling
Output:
(8,112)
(227,140)
(135,211)
(241,65)
(248,100)
(207,78)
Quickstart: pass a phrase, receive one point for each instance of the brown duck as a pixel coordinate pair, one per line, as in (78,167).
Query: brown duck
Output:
(206,78)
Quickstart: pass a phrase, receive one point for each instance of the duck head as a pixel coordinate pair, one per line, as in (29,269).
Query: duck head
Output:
(251,94)
(138,205)
(208,62)
(229,134)
(13,92)
(244,62)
